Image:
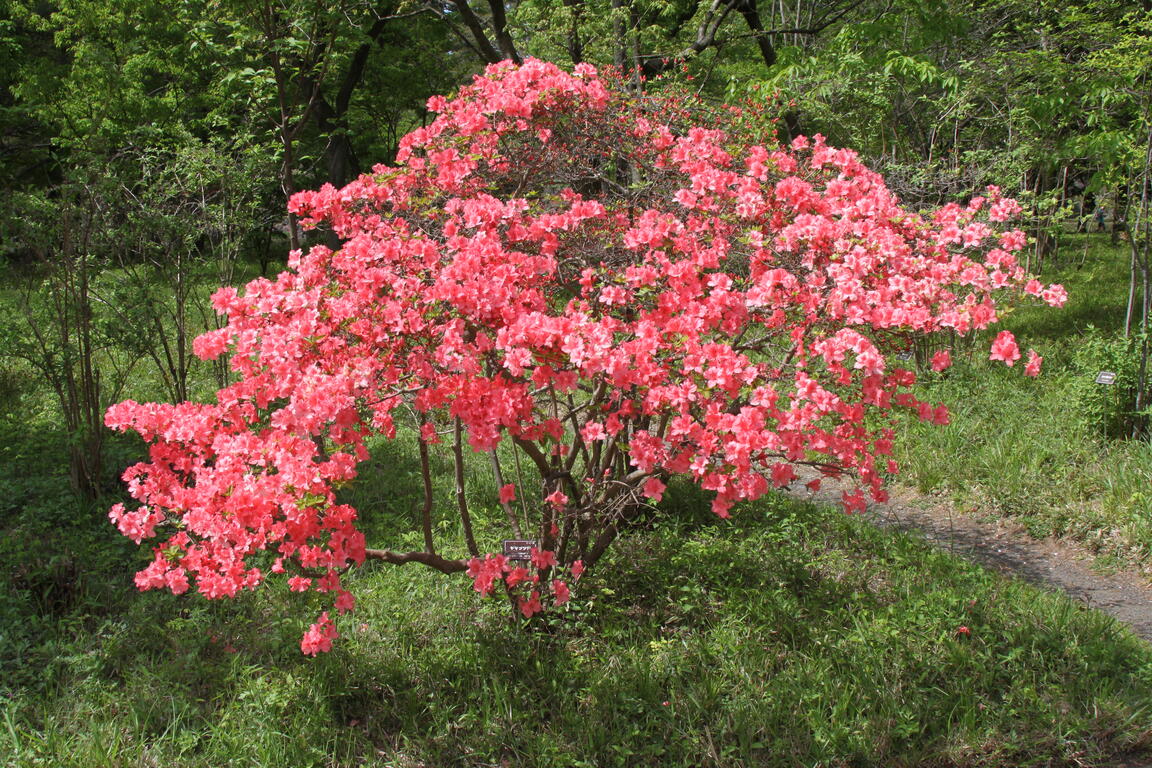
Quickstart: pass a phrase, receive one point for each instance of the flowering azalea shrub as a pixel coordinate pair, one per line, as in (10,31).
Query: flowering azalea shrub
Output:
(590,287)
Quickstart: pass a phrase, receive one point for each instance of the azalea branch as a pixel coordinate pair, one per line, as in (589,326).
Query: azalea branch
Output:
(557,459)
(566,534)
(609,456)
(461,496)
(499,476)
(437,562)
(534,453)
(426,511)
(623,516)
(578,448)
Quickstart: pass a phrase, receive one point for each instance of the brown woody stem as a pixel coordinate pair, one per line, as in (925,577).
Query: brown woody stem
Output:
(426,512)
(461,497)
(442,564)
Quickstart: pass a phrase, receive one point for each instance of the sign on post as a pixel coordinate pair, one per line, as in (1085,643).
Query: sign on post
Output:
(520,549)
(1106,377)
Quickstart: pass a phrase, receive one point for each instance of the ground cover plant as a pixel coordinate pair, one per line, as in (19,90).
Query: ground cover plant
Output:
(591,282)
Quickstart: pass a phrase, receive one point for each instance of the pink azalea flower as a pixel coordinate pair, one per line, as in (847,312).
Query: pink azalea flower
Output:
(782,474)
(543,558)
(1032,367)
(942,360)
(516,576)
(654,489)
(345,601)
(531,606)
(319,637)
(561,591)
(1004,348)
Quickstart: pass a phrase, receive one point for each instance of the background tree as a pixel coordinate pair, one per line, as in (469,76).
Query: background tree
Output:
(152,128)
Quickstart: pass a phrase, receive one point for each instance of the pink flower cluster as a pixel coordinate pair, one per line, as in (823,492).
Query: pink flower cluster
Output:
(592,280)
(494,570)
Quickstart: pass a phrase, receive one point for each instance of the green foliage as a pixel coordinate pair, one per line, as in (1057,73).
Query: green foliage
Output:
(58,563)
(858,86)
(1046,450)
(1107,407)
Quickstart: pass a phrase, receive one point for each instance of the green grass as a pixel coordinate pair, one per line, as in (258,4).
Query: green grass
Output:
(1046,451)
(792,636)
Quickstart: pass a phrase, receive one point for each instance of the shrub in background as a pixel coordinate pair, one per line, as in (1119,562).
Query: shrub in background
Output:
(1109,408)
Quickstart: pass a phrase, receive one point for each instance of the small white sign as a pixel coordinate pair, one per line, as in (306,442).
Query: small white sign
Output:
(519,549)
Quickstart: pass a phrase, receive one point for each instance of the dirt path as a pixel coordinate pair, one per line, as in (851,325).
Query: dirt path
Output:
(1007,547)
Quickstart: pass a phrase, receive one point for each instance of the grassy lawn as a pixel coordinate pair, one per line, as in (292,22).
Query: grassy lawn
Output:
(792,635)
